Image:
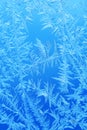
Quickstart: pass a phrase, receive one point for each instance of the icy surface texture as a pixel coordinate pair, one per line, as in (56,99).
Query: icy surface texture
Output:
(43,65)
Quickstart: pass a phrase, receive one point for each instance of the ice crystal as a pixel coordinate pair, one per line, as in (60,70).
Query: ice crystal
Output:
(43,84)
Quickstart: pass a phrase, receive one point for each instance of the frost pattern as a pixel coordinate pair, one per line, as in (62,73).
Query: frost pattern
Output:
(43,85)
